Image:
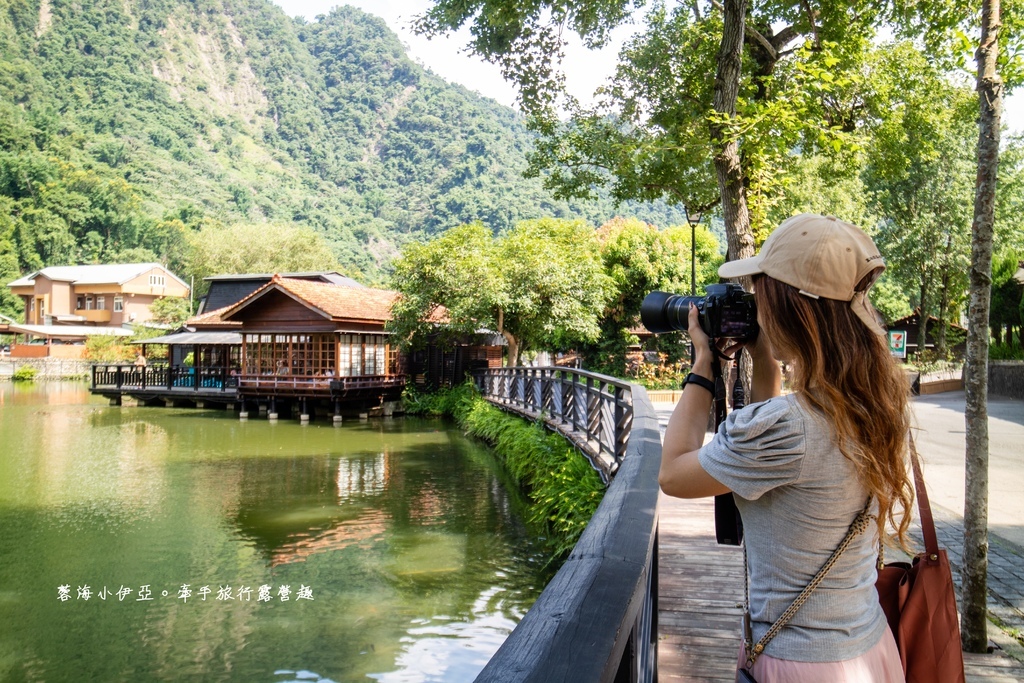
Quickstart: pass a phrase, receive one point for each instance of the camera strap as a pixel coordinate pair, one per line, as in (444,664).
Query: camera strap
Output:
(719,380)
(728,525)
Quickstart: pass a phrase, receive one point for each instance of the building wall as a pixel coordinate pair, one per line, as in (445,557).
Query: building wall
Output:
(136,309)
(143,285)
(1006,378)
(60,302)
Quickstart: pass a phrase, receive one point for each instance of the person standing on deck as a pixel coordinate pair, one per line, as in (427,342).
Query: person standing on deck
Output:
(803,466)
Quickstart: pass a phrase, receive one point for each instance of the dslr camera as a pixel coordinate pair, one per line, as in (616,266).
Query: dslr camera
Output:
(726,311)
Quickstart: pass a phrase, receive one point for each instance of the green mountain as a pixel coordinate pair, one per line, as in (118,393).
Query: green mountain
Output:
(127,126)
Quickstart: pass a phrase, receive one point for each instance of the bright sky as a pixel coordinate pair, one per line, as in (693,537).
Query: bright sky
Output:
(585,70)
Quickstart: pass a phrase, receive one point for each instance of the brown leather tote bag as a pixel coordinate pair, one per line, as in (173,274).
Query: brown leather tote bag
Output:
(919,602)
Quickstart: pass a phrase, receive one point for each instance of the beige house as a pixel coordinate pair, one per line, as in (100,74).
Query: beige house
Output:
(105,295)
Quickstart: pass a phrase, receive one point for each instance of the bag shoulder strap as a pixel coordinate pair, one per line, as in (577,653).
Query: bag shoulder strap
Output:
(931,541)
(860,523)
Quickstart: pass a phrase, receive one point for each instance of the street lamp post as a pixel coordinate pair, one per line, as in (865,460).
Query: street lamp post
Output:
(693,218)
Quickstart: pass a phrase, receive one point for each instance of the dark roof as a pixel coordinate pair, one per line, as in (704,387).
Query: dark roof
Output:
(914,320)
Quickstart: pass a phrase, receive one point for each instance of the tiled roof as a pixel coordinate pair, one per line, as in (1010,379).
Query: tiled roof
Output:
(338,302)
(118,273)
(213,318)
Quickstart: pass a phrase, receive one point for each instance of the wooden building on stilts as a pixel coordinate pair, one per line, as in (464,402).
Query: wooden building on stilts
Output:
(292,345)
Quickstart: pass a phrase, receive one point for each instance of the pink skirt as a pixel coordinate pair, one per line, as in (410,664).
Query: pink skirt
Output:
(880,664)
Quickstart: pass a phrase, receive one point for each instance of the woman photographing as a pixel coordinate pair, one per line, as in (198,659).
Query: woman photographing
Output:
(804,467)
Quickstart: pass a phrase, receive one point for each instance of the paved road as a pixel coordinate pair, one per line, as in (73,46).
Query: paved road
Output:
(941,443)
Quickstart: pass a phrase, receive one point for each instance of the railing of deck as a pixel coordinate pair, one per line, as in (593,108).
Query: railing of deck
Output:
(162,377)
(593,411)
(597,618)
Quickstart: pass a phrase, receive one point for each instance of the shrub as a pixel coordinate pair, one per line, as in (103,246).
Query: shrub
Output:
(25,373)
(106,348)
(1005,352)
(653,376)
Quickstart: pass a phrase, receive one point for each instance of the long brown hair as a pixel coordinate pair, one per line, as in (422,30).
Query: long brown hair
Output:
(845,371)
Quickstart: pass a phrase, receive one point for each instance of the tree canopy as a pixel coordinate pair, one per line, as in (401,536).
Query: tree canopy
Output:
(540,285)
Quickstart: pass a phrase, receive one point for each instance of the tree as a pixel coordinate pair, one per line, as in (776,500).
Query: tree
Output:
(1007,298)
(975,570)
(697,80)
(639,259)
(539,285)
(170,310)
(664,122)
(948,27)
(919,170)
(450,284)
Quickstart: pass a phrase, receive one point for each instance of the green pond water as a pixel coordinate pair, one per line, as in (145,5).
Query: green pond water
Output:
(162,544)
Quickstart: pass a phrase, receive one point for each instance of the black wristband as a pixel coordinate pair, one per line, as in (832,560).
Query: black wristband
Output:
(694,378)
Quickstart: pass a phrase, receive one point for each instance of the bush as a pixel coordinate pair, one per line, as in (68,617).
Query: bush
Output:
(106,348)
(1005,352)
(25,373)
(928,362)
(652,376)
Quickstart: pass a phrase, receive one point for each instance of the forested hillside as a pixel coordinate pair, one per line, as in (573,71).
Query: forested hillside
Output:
(129,129)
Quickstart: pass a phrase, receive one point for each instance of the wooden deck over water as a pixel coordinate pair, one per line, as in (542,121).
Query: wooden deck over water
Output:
(701,602)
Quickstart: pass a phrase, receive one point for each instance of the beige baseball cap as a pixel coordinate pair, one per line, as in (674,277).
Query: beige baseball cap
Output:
(822,257)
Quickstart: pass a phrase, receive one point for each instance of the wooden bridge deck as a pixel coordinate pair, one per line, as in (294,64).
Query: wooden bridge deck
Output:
(701,602)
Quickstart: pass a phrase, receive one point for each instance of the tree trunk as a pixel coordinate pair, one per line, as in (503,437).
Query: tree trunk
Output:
(940,334)
(512,359)
(727,161)
(974,620)
(513,350)
(922,319)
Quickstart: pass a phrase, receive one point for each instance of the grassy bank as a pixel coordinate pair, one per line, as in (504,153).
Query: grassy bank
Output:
(562,488)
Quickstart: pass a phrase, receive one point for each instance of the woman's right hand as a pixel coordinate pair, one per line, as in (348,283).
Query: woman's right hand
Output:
(702,354)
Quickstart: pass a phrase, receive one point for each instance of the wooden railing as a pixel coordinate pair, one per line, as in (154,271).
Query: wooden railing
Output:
(593,411)
(162,377)
(597,618)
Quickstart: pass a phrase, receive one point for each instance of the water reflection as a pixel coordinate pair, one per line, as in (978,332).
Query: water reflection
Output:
(412,550)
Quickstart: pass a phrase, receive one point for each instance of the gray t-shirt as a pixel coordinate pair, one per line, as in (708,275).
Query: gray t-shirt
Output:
(797,495)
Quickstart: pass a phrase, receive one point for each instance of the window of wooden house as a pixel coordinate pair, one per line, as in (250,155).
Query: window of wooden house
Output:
(305,355)
(323,353)
(101,303)
(373,355)
(118,303)
(392,360)
(351,355)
